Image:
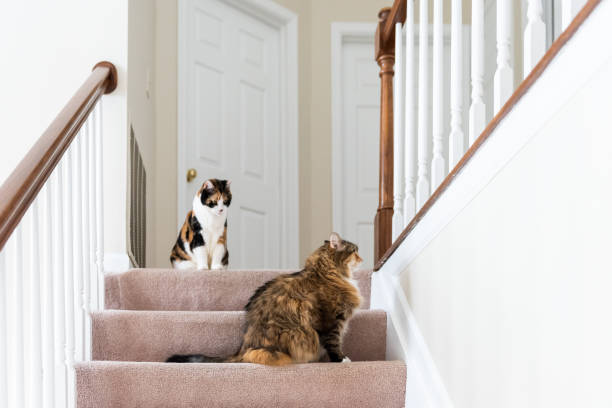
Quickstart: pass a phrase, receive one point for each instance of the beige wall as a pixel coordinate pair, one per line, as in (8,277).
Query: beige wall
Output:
(141,106)
(315,18)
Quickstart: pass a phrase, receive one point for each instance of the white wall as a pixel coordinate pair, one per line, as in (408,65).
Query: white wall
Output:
(47,50)
(513,295)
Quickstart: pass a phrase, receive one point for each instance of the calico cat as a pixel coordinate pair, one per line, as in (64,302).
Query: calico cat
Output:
(294,318)
(202,241)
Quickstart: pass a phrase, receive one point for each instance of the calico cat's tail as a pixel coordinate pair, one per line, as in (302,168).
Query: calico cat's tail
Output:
(264,355)
(195,358)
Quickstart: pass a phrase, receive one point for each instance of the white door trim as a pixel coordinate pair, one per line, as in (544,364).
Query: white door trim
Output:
(342,33)
(287,24)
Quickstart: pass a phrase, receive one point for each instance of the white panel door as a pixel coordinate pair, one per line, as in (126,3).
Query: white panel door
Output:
(360,139)
(230,103)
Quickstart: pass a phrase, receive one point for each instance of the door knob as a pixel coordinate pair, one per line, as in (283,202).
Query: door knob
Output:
(191,174)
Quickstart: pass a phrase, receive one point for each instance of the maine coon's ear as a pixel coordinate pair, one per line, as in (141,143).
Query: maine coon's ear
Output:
(335,242)
(227,183)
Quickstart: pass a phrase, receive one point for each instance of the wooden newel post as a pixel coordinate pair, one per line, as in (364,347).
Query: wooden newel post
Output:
(385,57)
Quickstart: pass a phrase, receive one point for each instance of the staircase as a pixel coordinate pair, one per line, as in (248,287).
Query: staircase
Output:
(151,314)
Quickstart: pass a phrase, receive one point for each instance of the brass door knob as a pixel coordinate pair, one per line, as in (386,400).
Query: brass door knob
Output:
(191,174)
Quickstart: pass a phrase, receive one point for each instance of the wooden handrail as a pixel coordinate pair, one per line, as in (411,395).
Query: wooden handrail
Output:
(384,44)
(22,186)
(486,133)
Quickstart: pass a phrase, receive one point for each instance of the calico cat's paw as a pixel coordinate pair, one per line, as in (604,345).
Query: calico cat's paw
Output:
(346,360)
(217,267)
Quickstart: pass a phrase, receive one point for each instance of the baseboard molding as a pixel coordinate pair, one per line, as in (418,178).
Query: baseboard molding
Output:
(424,386)
(116,262)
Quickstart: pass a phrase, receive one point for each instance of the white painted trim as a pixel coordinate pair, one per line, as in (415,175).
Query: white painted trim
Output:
(424,386)
(342,33)
(287,23)
(116,262)
(541,102)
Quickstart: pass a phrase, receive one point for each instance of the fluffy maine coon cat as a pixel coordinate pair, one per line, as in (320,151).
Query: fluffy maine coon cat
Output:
(294,318)
(202,241)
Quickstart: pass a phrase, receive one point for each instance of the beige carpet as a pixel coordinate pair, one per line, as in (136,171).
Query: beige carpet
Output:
(163,312)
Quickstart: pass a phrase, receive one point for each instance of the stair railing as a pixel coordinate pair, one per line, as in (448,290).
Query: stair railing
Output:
(419,154)
(51,253)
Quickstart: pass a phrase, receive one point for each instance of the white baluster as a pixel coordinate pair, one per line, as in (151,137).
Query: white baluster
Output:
(32,310)
(398,134)
(535,36)
(91,185)
(3,331)
(47,244)
(77,248)
(86,271)
(99,207)
(569,9)
(438,164)
(504,75)
(477,108)
(423,142)
(456,139)
(69,273)
(59,316)
(14,299)
(410,145)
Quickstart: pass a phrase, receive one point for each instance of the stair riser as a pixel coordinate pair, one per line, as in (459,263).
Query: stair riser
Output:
(154,336)
(351,385)
(160,289)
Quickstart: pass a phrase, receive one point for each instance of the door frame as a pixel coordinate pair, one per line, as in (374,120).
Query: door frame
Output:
(342,33)
(286,22)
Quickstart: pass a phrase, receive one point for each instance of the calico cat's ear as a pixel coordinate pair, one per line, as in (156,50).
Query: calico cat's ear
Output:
(208,185)
(335,242)
(227,183)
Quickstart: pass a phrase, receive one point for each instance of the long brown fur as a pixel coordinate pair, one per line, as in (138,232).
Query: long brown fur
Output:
(294,317)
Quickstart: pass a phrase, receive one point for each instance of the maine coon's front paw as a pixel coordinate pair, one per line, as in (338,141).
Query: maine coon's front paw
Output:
(216,267)
(346,360)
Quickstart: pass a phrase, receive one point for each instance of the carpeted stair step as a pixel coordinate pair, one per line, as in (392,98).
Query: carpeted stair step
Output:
(170,289)
(154,336)
(102,384)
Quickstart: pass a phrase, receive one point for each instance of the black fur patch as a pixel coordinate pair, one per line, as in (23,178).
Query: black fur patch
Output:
(225,259)
(197,241)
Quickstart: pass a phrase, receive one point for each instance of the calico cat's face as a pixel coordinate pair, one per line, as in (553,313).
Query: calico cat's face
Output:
(344,252)
(215,196)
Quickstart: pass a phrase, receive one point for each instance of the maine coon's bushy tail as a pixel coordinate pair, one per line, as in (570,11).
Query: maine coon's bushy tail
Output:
(264,355)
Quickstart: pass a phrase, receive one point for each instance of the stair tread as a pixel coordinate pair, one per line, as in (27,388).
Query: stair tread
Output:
(171,289)
(356,384)
(123,335)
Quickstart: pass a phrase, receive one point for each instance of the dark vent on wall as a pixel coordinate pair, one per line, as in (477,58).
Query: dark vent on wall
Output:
(137,210)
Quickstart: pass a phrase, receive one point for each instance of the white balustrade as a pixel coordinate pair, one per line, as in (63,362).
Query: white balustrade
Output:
(45,287)
(421,160)
(69,267)
(85,239)
(456,139)
(99,206)
(422,189)
(438,163)
(59,328)
(535,36)
(504,74)
(410,145)
(398,134)
(477,108)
